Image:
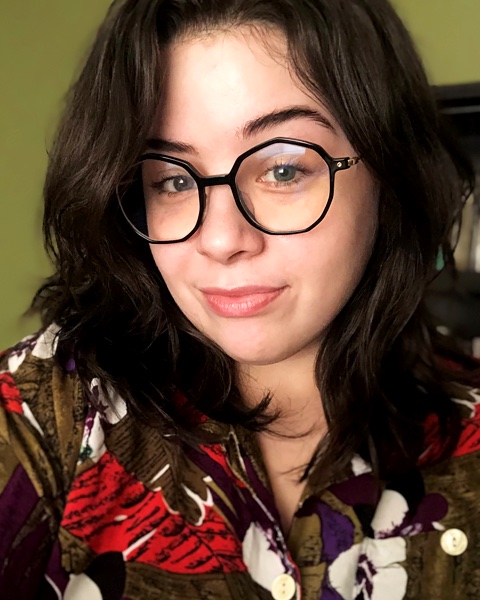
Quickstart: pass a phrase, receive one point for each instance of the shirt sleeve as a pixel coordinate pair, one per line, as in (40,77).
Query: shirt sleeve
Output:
(41,416)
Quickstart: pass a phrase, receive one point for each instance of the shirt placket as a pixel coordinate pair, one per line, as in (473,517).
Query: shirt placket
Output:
(286,586)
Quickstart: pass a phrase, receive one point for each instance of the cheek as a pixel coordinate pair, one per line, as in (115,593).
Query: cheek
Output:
(342,244)
(337,253)
(353,219)
(171,263)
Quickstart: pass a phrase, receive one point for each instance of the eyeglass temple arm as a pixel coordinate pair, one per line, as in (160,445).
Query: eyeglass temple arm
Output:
(341,164)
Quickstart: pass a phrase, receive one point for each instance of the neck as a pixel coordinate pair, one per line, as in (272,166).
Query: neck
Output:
(291,384)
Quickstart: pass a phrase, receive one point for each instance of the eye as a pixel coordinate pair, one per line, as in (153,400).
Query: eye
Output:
(282,173)
(285,174)
(179,183)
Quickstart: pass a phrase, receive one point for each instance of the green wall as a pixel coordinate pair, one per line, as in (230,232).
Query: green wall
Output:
(41,43)
(447,33)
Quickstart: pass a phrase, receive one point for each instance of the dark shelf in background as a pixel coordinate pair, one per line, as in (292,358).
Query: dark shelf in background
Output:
(461,105)
(455,302)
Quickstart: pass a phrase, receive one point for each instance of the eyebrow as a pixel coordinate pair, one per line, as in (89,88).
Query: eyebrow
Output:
(170,146)
(279,117)
(251,128)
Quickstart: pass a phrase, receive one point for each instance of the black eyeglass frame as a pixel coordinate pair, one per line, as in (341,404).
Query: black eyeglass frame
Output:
(204,181)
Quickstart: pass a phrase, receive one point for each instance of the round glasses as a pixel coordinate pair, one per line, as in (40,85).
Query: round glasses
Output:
(281,187)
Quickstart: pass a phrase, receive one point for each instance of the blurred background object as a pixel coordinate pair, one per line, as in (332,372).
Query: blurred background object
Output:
(454,299)
(42,44)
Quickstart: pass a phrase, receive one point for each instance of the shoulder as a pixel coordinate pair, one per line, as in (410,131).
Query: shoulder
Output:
(41,425)
(41,401)
(460,469)
(452,501)
(457,477)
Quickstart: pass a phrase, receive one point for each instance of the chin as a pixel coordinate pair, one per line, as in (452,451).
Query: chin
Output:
(255,361)
(248,354)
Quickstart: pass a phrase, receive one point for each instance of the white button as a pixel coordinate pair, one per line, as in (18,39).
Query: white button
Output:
(284,587)
(454,542)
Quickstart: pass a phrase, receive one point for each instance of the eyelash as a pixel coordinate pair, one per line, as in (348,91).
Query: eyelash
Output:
(296,166)
(158,185)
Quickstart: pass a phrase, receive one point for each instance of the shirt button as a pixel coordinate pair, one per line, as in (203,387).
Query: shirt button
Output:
(284,587)
(454,542)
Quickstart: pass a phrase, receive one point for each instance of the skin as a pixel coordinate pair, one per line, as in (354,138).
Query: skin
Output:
(214,86)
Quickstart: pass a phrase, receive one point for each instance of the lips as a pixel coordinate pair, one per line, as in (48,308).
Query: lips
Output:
(245,301)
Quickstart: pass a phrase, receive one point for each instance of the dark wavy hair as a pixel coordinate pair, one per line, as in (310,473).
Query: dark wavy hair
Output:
(378,369)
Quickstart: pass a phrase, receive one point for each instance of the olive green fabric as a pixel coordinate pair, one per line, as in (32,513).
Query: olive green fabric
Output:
(91,497)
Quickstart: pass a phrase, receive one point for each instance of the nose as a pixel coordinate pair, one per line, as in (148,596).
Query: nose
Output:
(225,235)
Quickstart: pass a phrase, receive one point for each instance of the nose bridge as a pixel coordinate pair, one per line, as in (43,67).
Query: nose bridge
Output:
(214,180)
(217,181)
(222,214)
(225,232)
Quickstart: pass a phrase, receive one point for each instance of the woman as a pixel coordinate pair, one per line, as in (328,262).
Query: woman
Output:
(237,392)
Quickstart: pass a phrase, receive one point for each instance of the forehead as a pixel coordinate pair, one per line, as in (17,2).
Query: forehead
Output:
(216,84)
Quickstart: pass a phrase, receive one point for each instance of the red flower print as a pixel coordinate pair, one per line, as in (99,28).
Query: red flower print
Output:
(111,511)
(469,440)
(470,437)
(10,397)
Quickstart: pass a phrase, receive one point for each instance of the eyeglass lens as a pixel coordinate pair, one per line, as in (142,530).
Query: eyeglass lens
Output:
(283,187)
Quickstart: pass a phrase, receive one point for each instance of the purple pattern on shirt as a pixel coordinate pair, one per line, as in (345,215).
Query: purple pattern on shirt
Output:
(432,508)
(55,572)
(337,530)
(248,506)
(21,543)
(363,489)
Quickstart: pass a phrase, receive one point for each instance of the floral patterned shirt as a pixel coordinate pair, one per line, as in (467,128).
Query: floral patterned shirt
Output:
(93,506)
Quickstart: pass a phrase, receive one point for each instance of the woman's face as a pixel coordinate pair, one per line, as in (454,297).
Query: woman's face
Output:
(262,298)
